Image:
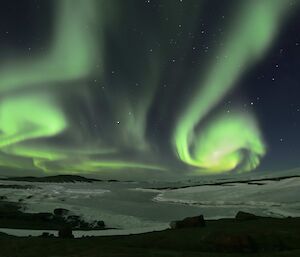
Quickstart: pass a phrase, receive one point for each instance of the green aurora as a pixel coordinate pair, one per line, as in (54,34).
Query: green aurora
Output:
(252,32)
(38,132)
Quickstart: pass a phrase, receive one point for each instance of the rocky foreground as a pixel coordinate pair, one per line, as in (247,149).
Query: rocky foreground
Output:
(12,216)
(246,234)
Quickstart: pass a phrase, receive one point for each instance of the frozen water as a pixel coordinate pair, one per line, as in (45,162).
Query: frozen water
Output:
(134,207)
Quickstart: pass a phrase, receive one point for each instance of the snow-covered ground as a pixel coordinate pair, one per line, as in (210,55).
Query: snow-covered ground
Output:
(81,233)
(133,208)
(270,198)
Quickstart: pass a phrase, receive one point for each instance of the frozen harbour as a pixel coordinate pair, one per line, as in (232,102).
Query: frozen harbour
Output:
(131,207)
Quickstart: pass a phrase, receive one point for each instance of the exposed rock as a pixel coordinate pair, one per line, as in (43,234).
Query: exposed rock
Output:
(47,235)
(65,232)
(245,216)
(189,222)
(73,220)
(12,215)
(97,224)
(76,222)
(61,212)
(100,224)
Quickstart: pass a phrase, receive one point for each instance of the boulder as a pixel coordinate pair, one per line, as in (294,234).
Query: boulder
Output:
(65,232)
(47,235)
(245,216)
(75,221)
(189,222)
(100,224)
(97,224)
(61,212)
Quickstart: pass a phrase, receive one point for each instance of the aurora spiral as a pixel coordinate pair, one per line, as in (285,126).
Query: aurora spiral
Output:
(108,95)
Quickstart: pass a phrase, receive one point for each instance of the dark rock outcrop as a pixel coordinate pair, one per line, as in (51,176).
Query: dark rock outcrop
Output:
(61,212)
(100,224)
(46,235)
(245,216)
(189,222)
(76,221)
(12,216)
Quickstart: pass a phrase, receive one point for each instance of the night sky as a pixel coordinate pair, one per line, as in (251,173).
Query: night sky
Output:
(152,88)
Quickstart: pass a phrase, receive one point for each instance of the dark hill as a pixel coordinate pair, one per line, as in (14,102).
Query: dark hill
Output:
(53,179)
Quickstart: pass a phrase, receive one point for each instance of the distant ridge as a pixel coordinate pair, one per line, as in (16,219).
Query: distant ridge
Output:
(247,181)
(53,179)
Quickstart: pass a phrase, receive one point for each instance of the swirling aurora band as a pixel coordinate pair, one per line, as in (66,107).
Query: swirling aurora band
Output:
(38,133)
(250,37)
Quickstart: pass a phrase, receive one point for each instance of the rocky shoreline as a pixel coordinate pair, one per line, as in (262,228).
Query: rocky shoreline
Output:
(13,216)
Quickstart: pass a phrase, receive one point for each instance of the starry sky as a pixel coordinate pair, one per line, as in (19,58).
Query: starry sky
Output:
(146,89)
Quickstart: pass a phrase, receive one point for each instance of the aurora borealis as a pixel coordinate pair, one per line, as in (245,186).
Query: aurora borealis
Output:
(136,87)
